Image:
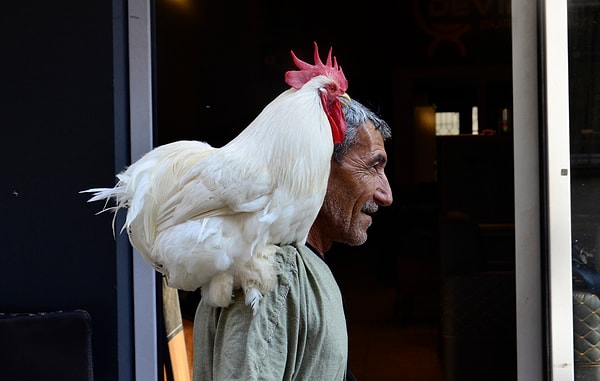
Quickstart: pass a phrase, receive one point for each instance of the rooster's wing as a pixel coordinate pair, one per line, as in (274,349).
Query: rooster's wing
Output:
(217,186)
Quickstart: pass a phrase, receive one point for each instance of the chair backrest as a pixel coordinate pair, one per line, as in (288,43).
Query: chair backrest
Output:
(46,346)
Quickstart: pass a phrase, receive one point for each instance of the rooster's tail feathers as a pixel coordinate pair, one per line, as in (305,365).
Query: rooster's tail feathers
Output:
(108,194)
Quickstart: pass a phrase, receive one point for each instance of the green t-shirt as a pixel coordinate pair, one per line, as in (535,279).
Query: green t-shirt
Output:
(299,332)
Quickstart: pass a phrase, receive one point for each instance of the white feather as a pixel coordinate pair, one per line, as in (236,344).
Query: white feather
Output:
(210,217)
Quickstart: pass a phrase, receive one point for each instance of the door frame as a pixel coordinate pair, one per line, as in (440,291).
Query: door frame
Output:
(147,365)
(542,191)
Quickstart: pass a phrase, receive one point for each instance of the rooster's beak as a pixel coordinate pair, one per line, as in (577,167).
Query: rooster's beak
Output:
(344,98)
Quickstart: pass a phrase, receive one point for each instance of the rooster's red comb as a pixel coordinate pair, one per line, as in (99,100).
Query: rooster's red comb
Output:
(297,78)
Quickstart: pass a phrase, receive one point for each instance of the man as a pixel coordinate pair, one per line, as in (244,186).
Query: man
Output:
(300,331)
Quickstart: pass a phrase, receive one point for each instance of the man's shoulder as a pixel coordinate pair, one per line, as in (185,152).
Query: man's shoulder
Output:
(295,249)
(288,249)
(286,259)
(297,253)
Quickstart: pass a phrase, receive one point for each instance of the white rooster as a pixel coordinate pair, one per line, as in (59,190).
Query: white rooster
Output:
(210,217)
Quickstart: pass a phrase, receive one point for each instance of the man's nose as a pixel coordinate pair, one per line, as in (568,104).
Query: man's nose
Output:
(383,193)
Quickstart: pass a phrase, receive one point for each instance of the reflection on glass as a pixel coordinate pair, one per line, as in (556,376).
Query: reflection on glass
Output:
(584,84)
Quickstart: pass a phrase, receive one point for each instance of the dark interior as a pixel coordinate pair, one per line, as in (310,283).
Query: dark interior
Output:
(450,229)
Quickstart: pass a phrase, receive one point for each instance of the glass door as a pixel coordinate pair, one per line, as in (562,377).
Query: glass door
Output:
(543,186)
(584,137)
(557,302)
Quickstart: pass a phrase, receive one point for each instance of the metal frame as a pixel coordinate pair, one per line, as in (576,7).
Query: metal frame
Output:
(557,178)
(144,277)
(542,212)
(527,202)
(542,191)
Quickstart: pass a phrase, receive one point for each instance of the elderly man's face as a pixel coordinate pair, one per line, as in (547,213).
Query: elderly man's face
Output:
(357,187)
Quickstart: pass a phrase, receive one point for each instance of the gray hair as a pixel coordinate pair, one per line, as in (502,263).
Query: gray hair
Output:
(356,116)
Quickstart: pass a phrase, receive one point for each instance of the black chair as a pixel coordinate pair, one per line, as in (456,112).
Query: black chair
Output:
(46,346)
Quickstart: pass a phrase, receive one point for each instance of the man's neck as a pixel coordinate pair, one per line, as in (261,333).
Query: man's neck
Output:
(318,244)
